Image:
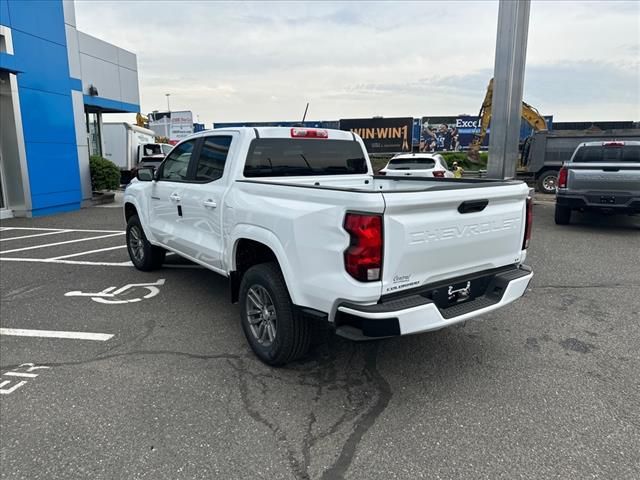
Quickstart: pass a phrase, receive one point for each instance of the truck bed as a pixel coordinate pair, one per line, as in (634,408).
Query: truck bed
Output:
(383,184)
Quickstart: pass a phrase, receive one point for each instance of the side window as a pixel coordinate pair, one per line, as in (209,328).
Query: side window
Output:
(176,164)
(213,156)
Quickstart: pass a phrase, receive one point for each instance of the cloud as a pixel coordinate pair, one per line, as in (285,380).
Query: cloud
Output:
(264,61)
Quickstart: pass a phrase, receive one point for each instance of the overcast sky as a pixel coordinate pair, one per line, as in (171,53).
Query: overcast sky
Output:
(263,61)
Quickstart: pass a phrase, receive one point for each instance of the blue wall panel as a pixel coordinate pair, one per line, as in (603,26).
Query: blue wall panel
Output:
(53,172)
(8,62)
(4,14)
(47,117)
(47,163)
(41,18)
(44,64)
(44,85)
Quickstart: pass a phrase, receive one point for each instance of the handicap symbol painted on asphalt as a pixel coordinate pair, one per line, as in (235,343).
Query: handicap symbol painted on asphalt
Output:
(108,295)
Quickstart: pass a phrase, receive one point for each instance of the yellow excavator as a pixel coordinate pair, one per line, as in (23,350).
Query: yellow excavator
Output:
(529,114)
(141,120)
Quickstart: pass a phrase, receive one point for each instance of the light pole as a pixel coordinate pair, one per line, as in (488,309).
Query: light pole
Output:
(508,74)
(168,106)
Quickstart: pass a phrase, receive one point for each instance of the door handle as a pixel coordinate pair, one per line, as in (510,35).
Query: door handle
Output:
(175,197)
(471,206)
(210,203)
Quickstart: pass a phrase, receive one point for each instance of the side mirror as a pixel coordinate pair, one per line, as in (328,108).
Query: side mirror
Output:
(145,174)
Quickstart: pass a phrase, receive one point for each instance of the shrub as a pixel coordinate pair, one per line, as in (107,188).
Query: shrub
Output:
(463,161)
(105,175)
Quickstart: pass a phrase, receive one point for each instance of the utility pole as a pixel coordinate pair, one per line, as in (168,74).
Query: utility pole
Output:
(508,84)
(168,106)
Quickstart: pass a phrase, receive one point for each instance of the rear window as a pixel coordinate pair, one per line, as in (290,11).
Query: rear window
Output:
(411,164)
(280,157)
(596,153)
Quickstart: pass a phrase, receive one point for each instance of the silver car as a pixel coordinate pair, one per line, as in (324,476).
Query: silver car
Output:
(600,176)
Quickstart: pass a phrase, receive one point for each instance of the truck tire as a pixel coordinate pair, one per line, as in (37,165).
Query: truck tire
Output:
(547,181)
(275,332)
(563,215)
(144,256)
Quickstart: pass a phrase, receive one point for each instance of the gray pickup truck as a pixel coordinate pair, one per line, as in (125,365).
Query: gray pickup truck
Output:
(601,176)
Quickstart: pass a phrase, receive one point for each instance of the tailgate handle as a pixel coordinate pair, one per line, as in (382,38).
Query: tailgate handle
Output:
(472,206)
(610,169)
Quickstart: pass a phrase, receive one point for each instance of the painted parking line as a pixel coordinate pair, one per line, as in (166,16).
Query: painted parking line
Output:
(79,254)
(55,229)
(21,374)
(95,264)
(68,262)
(21,332)
(34,235)
(60,243)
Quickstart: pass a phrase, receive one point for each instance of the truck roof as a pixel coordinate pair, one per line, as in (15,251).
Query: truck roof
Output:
(279,132)
(603,143)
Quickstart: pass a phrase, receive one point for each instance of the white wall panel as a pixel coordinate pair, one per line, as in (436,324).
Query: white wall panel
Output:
(85,172)
(129,86)
(101,74)
(112,70)
(79,118)
(73,52)
(97,48)
(69,12)
(127,59)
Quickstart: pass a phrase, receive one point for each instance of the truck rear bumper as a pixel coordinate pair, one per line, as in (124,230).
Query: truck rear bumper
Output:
(617,202)
(419,312)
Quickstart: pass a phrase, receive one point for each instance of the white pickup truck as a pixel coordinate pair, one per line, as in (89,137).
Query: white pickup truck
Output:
(305,232)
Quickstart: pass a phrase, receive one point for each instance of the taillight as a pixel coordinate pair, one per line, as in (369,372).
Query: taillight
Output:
(308,133)
(438,173)
(528,224)
(613,144)
(363,257)
(562,177)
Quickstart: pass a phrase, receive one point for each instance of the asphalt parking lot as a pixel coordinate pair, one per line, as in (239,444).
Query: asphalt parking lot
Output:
(156,381)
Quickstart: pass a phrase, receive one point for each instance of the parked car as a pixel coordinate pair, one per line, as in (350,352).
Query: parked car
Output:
(305,233)
(600,176)
(417,165)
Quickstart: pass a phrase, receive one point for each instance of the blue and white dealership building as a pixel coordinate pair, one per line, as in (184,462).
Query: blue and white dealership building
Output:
(55,85)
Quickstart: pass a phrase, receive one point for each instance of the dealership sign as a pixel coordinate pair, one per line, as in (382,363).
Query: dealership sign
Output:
(382,135)
(176,126)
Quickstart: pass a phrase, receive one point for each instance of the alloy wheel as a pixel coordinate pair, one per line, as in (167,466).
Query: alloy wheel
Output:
(261,315)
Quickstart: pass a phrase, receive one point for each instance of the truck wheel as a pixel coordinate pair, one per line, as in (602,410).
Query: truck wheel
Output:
(144,256)
(563,215)
(275,333)
(547,181)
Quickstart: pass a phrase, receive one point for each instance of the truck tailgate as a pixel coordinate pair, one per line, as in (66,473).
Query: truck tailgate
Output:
(438,235)
(604,177)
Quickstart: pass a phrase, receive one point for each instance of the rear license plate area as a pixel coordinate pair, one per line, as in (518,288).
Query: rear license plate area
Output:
(607,199)
(461,292)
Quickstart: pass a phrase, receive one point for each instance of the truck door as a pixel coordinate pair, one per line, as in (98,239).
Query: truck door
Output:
(166,209)
(202,200)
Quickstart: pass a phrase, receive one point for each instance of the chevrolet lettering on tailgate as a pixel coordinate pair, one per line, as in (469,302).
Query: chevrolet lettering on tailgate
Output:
(461,231)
